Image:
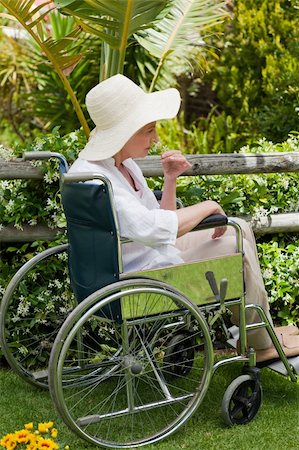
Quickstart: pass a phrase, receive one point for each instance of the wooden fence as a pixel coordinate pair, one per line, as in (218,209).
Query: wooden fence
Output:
(222,164)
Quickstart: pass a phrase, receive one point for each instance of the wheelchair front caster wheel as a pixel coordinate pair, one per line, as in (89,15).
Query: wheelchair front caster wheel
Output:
(179,355)
(241,401)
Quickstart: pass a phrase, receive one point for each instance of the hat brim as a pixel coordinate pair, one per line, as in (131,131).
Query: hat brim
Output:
(104,144)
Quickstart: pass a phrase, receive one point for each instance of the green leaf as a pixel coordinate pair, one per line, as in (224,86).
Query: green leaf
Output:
(64,3)
(113,21)
(182,27)
(31,18)
(232,197)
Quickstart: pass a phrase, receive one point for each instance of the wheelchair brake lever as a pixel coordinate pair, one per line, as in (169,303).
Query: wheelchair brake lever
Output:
(223,289)
(213,284)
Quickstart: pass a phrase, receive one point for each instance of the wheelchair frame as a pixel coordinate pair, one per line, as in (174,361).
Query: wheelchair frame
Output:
(182,328)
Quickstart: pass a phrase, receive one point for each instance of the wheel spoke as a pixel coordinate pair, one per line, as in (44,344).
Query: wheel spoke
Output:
(34,306)
(241,401)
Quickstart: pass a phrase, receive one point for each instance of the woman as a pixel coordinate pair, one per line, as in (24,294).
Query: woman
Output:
(125,118)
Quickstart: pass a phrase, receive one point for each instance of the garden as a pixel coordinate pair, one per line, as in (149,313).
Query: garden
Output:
(236,65)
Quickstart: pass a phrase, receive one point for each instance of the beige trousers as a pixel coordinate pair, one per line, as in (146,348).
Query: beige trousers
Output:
(198,245)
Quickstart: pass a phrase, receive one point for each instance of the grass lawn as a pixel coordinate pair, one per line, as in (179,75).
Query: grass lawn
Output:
(276,427)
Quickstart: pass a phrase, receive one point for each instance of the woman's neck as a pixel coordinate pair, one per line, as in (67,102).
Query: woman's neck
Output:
(126,174)
(119,158)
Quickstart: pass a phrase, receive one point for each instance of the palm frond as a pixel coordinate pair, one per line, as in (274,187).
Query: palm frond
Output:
(114,21)
(31,18)
(183,27)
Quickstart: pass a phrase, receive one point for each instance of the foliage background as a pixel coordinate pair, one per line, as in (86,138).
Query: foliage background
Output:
(239,94)
(250,87)
(23,202)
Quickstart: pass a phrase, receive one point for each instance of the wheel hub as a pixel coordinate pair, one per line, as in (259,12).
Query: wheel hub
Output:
(131,363)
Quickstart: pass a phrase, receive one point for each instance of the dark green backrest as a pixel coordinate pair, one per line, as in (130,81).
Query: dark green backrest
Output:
(93,245)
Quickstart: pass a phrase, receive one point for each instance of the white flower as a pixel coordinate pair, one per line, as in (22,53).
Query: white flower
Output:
(63,257)
(273,209)
(4,184)
(10,206)
(48,179)
(18,226)
(268,273)
(5,153)
(285,183)
(51,204)
(294,206)
(50,307)
(72,137)
(244,149)
(58,284)
(259,213)
(33,275)
(32,222)
(41,321)
(23,309)
(38,146)
(23,350)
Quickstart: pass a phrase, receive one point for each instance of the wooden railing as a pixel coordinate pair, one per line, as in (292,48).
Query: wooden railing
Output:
(222,164)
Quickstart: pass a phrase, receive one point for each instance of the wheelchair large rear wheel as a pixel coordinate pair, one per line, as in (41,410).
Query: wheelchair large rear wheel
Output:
(108,375)
(34,306)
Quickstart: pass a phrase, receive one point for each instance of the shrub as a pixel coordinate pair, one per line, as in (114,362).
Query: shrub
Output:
(279,262)
(256,76)
(250,86)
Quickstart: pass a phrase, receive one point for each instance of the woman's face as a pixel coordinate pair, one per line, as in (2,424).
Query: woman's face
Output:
(139,144)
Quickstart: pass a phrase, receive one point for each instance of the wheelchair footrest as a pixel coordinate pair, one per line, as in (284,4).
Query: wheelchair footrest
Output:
(40,374)
(279,367)
(234,332)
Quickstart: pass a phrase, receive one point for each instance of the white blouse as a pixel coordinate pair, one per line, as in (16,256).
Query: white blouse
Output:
(153,230)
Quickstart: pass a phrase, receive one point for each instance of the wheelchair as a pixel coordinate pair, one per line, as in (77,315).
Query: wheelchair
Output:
(131,357)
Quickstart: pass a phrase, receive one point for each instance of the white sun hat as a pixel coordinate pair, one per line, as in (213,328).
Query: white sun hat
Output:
(119,108)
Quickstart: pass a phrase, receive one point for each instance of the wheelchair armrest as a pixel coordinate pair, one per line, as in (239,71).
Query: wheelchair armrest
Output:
(158,194)
(215,220)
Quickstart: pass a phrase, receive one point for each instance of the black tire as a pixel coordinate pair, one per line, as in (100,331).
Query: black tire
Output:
(241,401)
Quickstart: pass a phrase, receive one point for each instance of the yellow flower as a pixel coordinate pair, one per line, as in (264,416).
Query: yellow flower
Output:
(31,438)
(44,444)
(33,442)
(44,427)
(8,441)
(54,433)
(32,446)
(22,436)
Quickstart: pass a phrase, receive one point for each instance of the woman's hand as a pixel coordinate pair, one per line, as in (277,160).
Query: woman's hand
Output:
(218,232)
(174,163)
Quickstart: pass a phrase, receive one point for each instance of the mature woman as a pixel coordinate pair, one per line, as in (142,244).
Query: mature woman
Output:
(125,118)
